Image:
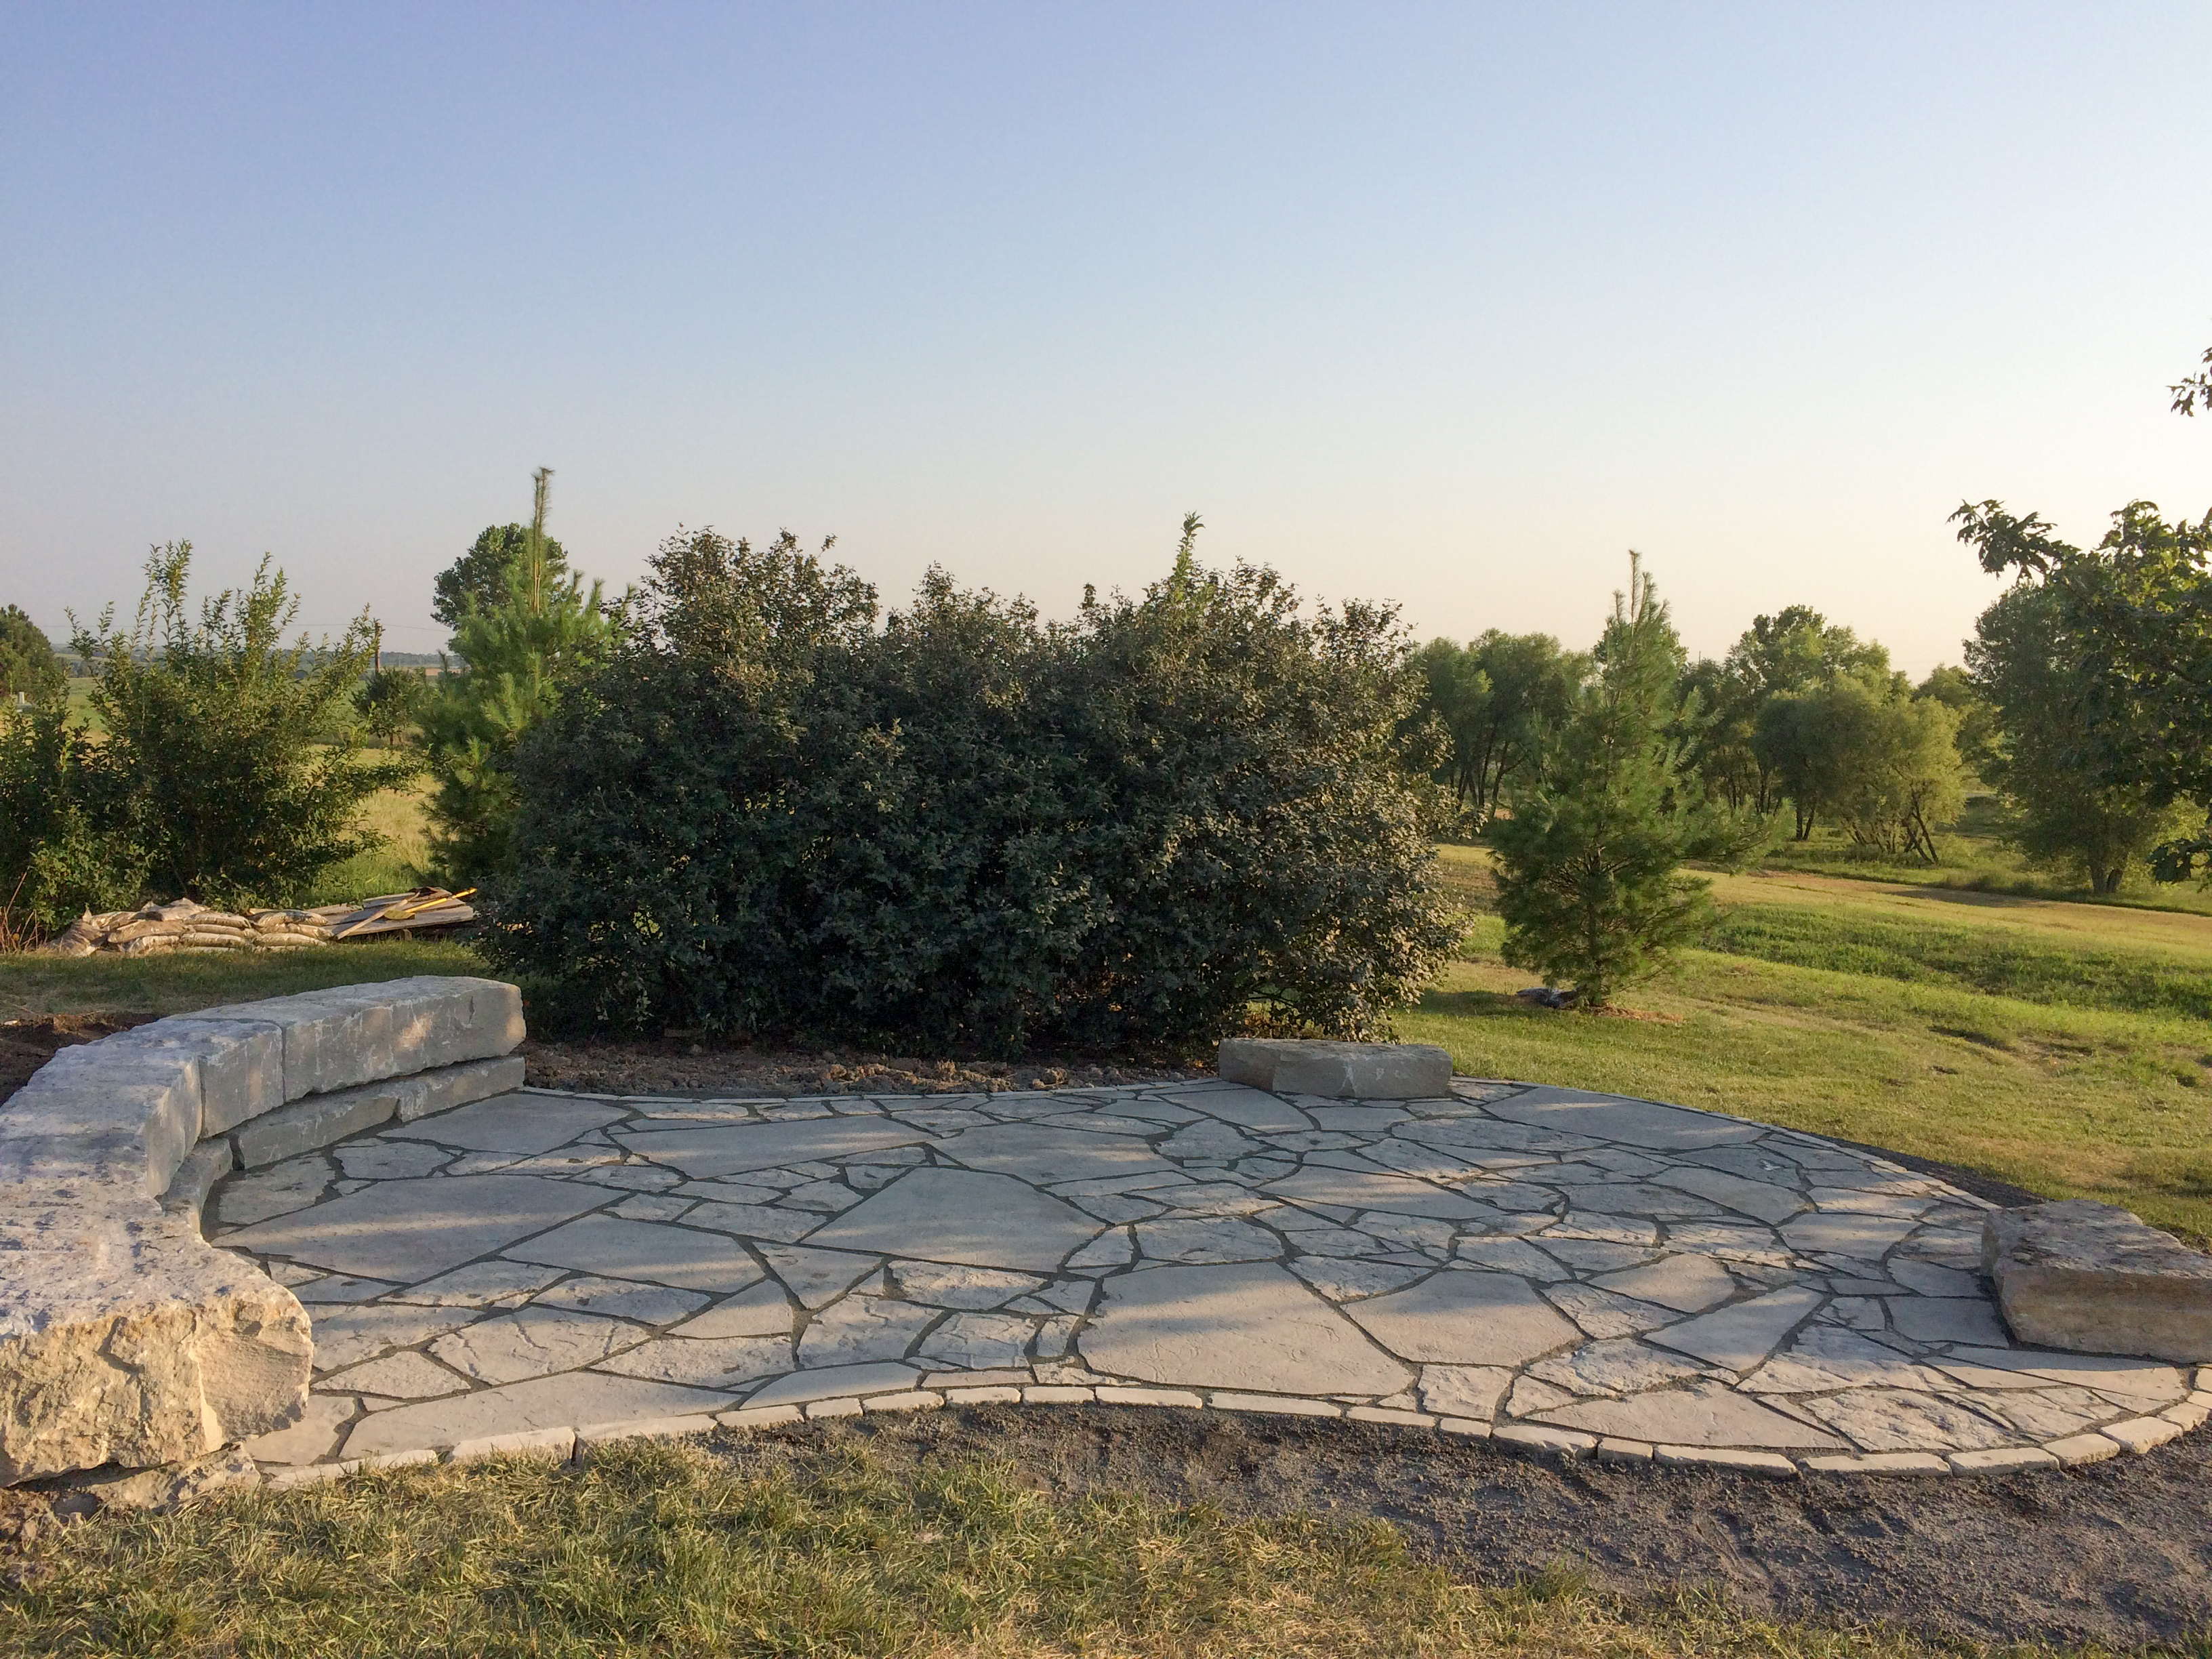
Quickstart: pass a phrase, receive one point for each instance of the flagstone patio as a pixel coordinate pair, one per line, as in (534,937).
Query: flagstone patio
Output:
(1578,1272)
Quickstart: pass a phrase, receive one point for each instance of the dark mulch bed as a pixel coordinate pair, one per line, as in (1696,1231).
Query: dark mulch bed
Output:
(675,1065)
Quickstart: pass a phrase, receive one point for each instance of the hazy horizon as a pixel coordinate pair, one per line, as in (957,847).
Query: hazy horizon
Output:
(1444,306)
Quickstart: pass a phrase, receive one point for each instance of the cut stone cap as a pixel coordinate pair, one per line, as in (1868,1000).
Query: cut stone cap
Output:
(1337,1071)
(2092,1278)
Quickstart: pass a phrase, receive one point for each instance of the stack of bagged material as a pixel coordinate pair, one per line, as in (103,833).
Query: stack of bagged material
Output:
(158,929)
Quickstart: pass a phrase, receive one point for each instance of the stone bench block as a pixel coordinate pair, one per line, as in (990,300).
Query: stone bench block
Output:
(206,1165)
(1338,1071)
(126,1338)
(241,1064)
(2091,1278)
(316,1121)
(121,1118)
(356,1034)
(456,1085)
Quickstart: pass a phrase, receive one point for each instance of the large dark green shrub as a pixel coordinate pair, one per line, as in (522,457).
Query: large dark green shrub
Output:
(28,667)
(764,815)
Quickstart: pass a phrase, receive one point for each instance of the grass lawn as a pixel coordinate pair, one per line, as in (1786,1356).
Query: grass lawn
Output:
(662,1550)
(2065,1047)
(32,985)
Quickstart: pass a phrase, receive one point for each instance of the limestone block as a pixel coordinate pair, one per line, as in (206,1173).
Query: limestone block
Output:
(456,1085)
(206,1165)
(241,1064)
(1337,1071)
(355,1034)
(318,1120)
(2094,1279)
(126,1338)
(121,1118)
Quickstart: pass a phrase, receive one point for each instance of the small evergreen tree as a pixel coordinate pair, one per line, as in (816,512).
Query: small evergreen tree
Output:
(518,649)
(1590,865)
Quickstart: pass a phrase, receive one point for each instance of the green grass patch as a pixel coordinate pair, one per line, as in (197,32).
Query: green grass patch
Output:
(32,985)
(2002,963)
(665,1550)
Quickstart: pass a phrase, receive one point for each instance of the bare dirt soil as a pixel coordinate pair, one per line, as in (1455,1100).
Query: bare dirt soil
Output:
(28,1044)
(2118,1554)
(673,1065)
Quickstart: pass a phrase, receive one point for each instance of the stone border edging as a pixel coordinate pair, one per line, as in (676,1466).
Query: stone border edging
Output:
(575,1442)
(124,1337)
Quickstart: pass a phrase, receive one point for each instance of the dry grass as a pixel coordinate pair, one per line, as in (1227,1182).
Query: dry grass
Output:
(665,1550)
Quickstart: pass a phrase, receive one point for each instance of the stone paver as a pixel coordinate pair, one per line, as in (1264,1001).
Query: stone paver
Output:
(1577,1271)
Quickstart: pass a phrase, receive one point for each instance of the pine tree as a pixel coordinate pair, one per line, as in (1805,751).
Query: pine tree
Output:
(1589,881)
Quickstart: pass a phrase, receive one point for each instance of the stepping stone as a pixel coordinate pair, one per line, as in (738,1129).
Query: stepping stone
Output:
(612,1247)
(522,1124)
(1614,1117)
(1739,1337)
(1246,1326)
(1703,1414)
(410,1229)
(573,1400)
(737,1149)
(1463,1316)
(1352,1190)
(1047,1155)
(2094,1278)
(1687,1284)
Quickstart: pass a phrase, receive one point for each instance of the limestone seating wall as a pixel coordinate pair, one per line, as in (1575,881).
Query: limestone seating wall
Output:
(124,1337)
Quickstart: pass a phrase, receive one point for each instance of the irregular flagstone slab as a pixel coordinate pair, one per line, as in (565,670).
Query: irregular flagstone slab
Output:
(572,1399)
(1946,1319)
(616,1248)
(863,1328)
(1739,1337)
(835,1382)
(622,1298)
(1343,1280)
(2146,1380)
(702,1153)
(1766,1201)
(410,1229)
(1687,1284)
(817,1277)
(511,1123)
(1631,1122)
(1251,1108)
(963,1217)
(1702,1415)
(532,1341)
(1210,1238)
(1046,1154)
(1399,1193)
(762,1310)
(1824,1357)
(1246,1326)
(1613,1366)
(712,1362)
(2094,1278)
(1465,1317)
(277,1190)
(1892,1420)
(345,1336)
(1467,1391)
(406,1375)
(945,1286)
(979,1341)
(1867,1237)
(482,1285)
(311,1439)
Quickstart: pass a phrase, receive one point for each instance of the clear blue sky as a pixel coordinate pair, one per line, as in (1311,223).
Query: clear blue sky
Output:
(1449,304)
